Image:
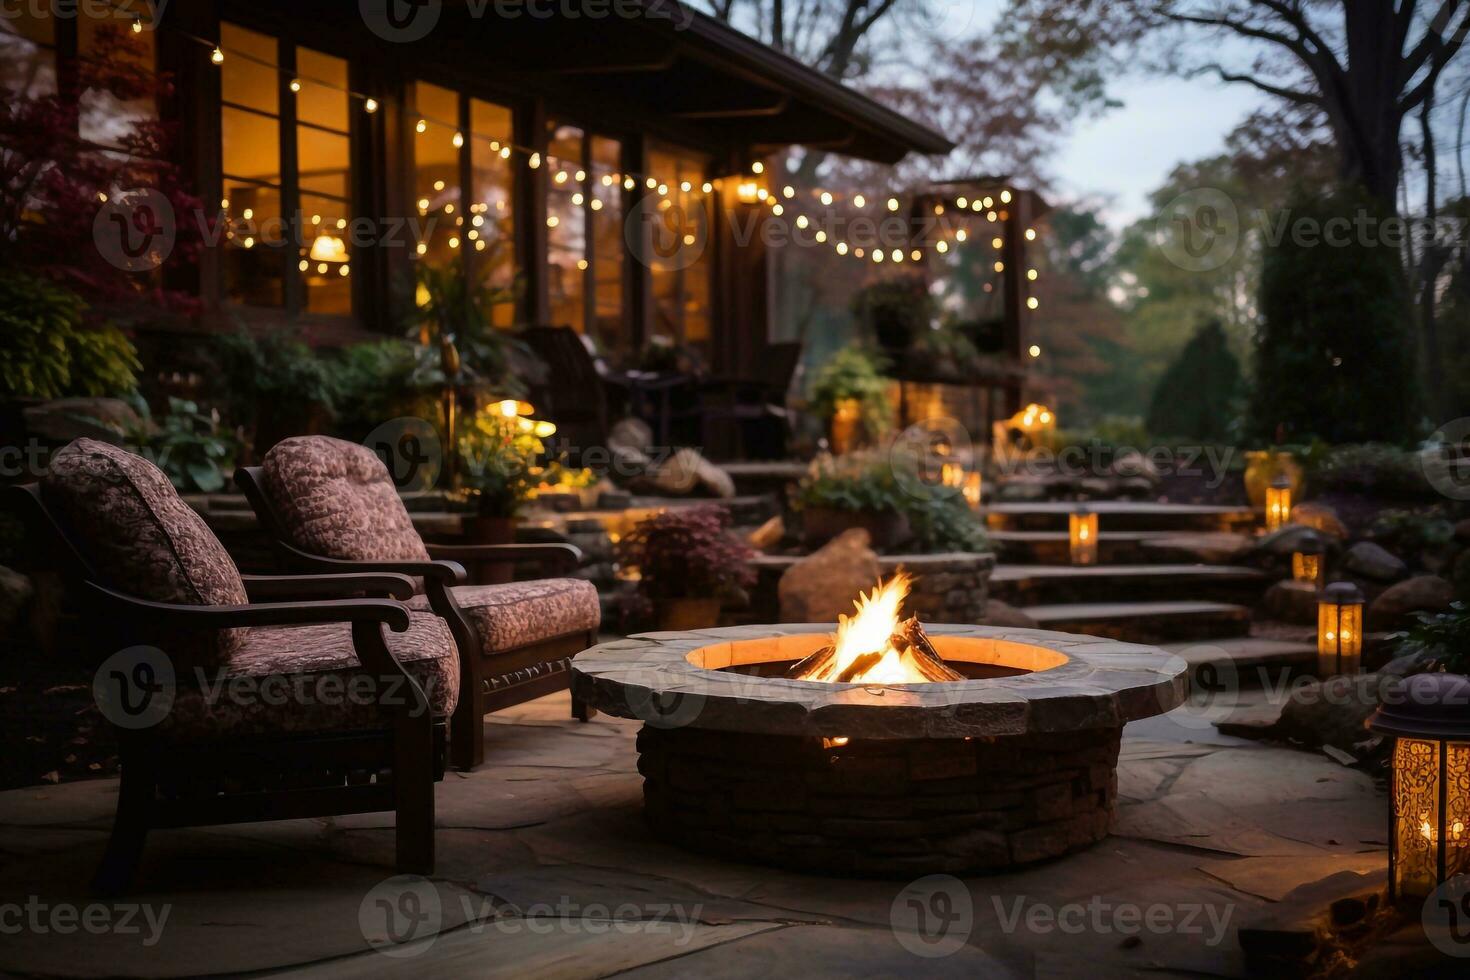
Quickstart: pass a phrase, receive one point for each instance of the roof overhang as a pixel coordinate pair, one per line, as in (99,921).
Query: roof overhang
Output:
(665,57)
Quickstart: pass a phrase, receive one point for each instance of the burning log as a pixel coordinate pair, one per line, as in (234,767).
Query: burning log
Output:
(922,653)
(808,667)
(860,665)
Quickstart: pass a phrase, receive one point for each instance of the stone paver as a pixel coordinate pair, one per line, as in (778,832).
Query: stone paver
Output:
(546,869)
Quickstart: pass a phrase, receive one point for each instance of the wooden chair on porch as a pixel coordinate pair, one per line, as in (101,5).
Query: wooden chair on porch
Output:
(331,506)
(202,660)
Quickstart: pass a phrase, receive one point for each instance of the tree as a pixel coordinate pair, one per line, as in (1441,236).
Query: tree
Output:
(1196,397)
(1361,66)
(1332,357)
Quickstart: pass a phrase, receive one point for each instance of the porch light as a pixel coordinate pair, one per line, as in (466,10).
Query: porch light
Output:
(1278,502)
(1082,534)
(1306,562)
(1429,842)
(1339,630)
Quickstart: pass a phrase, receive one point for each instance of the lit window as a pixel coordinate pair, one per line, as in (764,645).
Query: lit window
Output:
(491,193)
(250,153)
(566,237)
(324,173)
(680,253)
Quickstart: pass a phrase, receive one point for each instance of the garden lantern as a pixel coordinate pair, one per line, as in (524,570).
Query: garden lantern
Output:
(972,489)
(1429,842)
(1278,502)
(1083,536)
(1339,630)
(1306,561)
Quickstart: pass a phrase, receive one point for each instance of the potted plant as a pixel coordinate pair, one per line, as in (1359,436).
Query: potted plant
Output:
(896,309)
(857,490)
(851,393)
(890,501)
(499,449)
(688,564)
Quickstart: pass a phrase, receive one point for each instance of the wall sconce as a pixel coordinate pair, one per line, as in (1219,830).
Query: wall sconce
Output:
(1082,532)
(1307,562)
(1339,630)
(1429,842)
(1278,503)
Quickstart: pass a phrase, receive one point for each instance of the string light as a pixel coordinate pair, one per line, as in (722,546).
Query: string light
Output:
(1030,234)
(217,56)
(1033,303)
(137,25)
(859,201)
(371,106)
(893,204)
(296,85)
(457,140)
(826,199)
(1034,351)
(788,192)
(757,167)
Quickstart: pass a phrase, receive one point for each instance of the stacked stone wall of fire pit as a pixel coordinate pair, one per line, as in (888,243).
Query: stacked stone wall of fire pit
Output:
(880,807)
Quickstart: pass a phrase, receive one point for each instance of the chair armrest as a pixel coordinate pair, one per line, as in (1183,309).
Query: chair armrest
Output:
(372,584)
(447,572)
(169,615)
(558,558)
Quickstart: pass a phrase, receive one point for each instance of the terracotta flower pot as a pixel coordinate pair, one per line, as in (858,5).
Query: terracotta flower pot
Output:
(687,614)
(479,529)
(846,426)
(886,528)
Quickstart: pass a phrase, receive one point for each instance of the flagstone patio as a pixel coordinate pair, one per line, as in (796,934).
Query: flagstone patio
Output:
(546,869)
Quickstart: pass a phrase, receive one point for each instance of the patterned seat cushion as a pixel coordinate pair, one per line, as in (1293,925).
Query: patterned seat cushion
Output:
(304,679)
(336,499)
(144,540)
(520,613)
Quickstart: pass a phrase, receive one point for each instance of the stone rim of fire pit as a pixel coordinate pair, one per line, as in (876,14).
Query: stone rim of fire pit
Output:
(1103,684)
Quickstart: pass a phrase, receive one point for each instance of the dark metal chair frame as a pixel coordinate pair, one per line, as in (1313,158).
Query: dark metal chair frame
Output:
(245,779)
(479,692)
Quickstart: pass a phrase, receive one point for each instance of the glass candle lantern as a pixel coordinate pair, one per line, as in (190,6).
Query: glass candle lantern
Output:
(1339,630)
(1307,561)
(1278,503)
(1082,528)
(1429,842)
(972,489)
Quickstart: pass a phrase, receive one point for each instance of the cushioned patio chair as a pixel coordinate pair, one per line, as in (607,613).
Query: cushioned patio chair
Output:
(276,709)
(331,506)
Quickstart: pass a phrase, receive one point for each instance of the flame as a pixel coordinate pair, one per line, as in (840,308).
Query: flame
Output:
(870,630)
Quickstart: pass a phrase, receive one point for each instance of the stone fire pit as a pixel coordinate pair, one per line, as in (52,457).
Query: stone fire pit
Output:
(1013,765)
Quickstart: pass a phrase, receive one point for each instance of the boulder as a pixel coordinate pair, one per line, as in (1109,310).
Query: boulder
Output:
(629,442)
(1292,601)
(65,419)
(1374,562)
(1333,712)
(1284,541)
(1422,593)
(686,472)
(16,593)
(768,536)
(999,613)
(824,584)
(1319,517)
(1132,463)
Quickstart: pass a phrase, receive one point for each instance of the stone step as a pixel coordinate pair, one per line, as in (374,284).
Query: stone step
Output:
(1121,515)
(1244,661)
(1027,585)
(1145,622)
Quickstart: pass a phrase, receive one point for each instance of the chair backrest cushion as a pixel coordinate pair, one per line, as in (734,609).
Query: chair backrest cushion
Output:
(336,499)
(143,539)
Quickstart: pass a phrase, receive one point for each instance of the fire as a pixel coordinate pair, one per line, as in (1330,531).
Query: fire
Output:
(874,646)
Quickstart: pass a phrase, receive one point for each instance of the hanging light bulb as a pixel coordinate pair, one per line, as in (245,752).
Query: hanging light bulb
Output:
(757,167)
(370,105)
(296,85)
(859,201)
(826,199)
(788,192)
(217,56)
(534,161)
(893,204)
(941,246)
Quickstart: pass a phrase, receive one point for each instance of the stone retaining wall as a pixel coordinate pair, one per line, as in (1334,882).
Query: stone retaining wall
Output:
(875,807)
(948,588)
